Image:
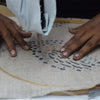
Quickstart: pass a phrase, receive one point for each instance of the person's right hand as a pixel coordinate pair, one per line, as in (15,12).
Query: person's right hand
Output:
(10,31)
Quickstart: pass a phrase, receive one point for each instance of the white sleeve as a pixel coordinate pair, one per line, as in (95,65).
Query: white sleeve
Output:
(29,14)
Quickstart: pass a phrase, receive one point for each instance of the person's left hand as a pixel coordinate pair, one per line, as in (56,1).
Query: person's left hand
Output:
(86,36)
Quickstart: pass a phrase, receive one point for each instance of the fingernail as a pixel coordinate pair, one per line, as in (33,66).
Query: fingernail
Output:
(26,47)
(77,55)
(13,52)
(63,49)
(65,53)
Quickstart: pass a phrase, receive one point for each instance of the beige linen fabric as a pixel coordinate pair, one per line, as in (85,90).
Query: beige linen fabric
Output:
(41,70)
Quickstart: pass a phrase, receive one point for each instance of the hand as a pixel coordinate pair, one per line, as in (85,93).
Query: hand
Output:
(86,37)
(9,31)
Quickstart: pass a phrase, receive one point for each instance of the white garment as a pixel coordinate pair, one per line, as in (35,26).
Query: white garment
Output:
(29,14)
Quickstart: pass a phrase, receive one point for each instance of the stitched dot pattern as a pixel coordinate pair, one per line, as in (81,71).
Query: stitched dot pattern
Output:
(47,51)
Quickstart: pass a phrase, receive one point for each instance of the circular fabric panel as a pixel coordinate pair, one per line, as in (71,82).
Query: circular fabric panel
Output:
(44,67)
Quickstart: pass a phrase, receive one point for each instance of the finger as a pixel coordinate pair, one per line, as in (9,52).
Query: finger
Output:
(77,43)
(17,36)
(86,26)
(23,33)
(83,35)
(72,30)
(8,39)
(63,48)
(75,30)
(74,38)
(92,43)
(78,29)
(20,41)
